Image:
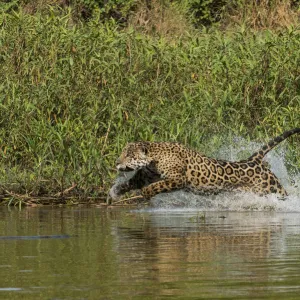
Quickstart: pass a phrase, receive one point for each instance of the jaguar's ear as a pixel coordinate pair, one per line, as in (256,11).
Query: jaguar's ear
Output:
(145,148)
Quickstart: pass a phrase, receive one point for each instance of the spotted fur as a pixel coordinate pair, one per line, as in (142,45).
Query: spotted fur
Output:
(163,167)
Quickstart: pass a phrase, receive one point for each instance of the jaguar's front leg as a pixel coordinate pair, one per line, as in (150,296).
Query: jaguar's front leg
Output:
(162,186)
(125,183)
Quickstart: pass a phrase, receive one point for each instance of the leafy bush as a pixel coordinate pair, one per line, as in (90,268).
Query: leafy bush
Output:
(205,12)
(119,10)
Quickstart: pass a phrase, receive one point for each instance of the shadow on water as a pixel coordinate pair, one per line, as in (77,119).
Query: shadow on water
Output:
(212,255)
(34,237)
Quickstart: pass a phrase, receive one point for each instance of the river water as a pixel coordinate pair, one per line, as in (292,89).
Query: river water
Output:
(148,253)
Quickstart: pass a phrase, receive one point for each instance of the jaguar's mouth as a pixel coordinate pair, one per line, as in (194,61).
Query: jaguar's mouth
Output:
(124,169)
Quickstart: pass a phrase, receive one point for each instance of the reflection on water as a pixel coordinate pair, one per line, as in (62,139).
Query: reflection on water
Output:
(146,254)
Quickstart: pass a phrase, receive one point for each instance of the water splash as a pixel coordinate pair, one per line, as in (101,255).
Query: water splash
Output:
(240,149)
(226,202)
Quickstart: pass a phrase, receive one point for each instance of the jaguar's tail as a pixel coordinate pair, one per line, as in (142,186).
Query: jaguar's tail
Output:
(259,155)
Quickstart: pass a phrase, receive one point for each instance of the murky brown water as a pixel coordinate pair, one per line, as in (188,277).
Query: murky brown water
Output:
(98,253)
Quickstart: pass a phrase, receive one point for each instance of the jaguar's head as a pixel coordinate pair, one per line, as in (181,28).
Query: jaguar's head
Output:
(133,157)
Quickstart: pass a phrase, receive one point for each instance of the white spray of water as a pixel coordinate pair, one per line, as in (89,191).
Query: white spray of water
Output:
(240,201)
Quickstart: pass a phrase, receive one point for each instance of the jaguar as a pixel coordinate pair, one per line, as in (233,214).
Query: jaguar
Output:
(157,167)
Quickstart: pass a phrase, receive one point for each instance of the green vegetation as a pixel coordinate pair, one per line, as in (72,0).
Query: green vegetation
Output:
(74,91)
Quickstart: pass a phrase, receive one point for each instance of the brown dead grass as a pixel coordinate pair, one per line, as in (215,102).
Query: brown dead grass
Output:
(263,14)
(157,17)
(31,7)
(166,19)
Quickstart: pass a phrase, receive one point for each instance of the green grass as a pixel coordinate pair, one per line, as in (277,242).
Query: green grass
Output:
(72,95)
